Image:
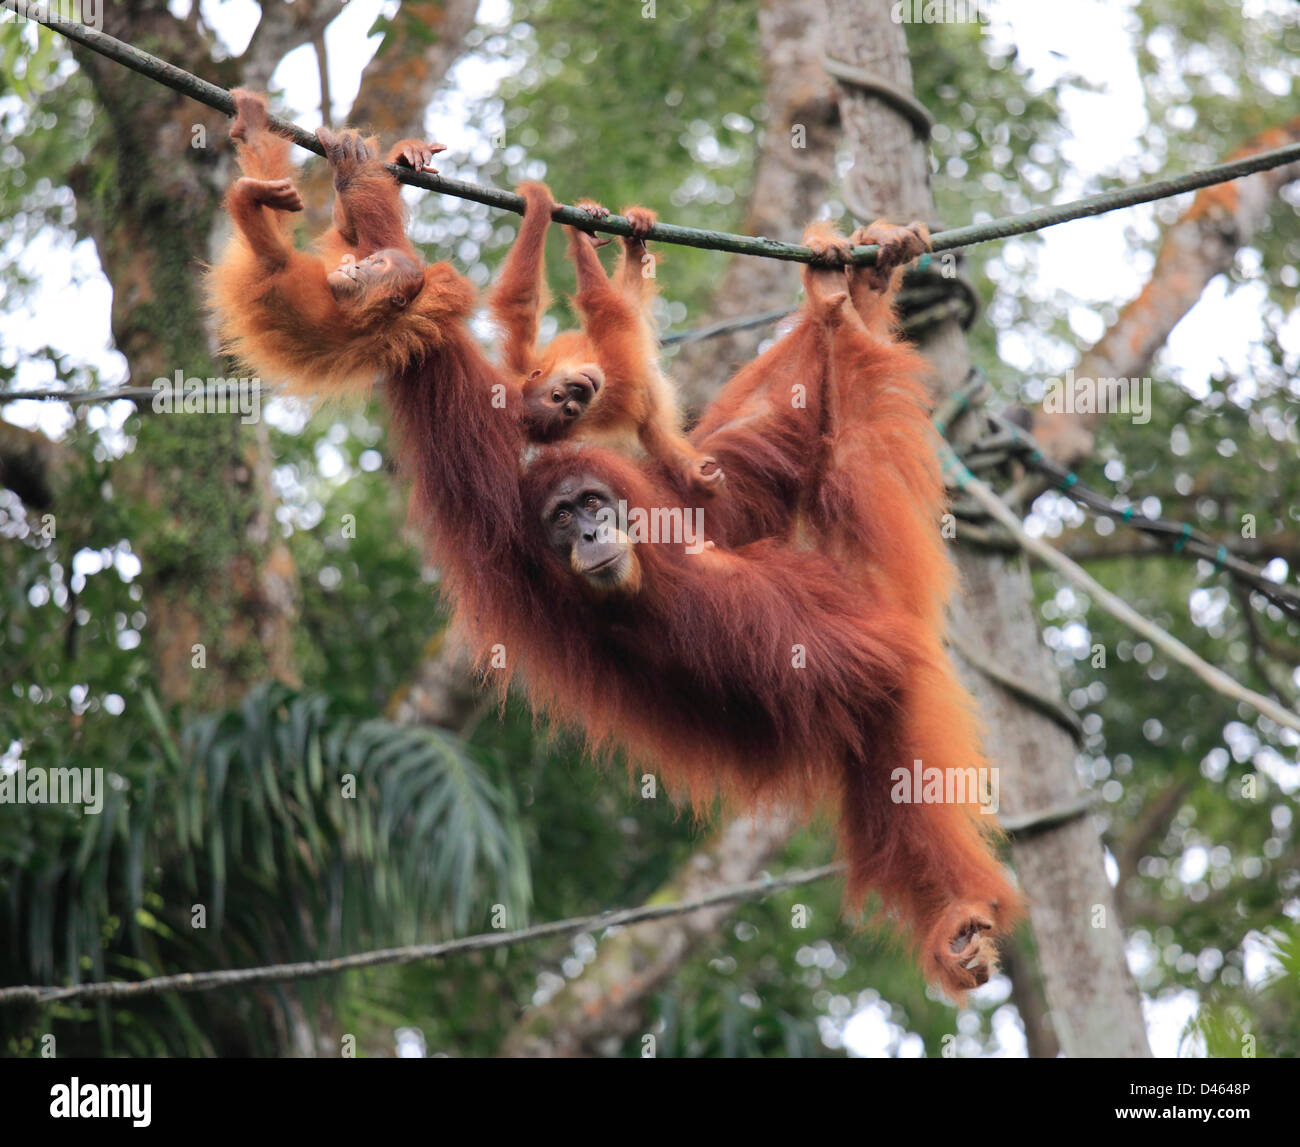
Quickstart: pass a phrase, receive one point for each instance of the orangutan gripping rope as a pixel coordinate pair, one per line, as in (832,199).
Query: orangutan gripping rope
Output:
(796,659)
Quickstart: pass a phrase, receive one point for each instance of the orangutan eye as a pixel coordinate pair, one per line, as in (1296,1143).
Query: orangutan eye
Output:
(561,517)
(592,502)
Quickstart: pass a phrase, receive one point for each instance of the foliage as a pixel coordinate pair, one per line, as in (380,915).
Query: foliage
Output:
(776,985)
(1257,1021)
(1219,452)
(300,834)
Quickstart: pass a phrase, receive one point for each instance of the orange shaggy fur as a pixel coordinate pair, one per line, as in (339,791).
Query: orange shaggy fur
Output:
(284,323)
(826,542)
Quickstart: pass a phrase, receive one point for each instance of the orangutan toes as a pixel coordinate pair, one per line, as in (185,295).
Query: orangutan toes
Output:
(250,113)
(640,219)
(824,279)
(598,213)
(829,247)
(964,948)
(825,290)
(592,208)
(898,245)
(417,154)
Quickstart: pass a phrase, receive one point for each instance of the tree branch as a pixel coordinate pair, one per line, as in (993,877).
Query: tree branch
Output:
(282,28)
(1201,245)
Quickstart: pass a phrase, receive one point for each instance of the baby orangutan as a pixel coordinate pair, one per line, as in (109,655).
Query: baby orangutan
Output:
(303,317)
(601,383)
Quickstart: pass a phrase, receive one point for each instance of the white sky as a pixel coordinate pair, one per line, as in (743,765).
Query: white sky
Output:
(1088,258)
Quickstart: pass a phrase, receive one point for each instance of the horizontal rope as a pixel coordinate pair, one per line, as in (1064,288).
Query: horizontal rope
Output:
(962,302)
(220,99)
(726,327)
(112,394)
(412,953)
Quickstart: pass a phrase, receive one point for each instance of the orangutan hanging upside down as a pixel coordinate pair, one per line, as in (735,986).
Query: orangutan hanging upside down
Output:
(301,317)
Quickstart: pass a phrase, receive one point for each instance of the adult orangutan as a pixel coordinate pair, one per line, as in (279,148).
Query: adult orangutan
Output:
(797,660)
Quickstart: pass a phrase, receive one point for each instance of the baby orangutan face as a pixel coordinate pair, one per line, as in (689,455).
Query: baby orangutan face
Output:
(578,531)
(553,403)
(390,272)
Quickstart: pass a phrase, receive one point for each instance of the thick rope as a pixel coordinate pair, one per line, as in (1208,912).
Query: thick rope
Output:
(220,99)
(906,104)
(1178,537)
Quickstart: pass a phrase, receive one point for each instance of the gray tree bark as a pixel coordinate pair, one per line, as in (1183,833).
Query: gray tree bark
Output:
(1093,1001)
(794,168)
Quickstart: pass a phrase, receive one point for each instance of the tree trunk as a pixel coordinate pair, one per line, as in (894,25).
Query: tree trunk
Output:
(425,40)
(1094,1003)
(215,571)
(420,46)
(606,1003)
(794,168)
